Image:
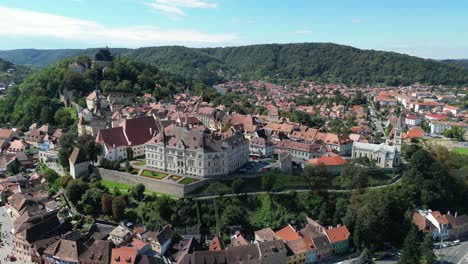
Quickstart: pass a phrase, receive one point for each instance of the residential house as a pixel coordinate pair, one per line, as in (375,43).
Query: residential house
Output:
(261,147)
(64,251)
(301,250)
(454,110)
(339,238)
(124,255)
(300,151)
(412,120)
(161,240)
(99,252)
(120,235)
(265,234)
(272,252)
(79,165)
(458,226)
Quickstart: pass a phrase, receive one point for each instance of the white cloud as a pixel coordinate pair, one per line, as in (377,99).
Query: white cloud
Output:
(303,32)
(356,21)
(174,8)
(20,23)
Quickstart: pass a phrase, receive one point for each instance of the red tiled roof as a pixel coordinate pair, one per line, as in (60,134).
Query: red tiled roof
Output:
(337,234)
(288,233)
(125,255)
(439,217)
(415,132)
(329,161)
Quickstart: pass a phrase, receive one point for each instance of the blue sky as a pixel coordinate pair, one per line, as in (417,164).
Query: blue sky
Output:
(430,29)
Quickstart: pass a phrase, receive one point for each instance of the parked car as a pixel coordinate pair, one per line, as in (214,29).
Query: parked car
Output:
(456,242)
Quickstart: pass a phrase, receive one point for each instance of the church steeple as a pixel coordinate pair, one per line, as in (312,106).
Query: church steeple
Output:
(397,138)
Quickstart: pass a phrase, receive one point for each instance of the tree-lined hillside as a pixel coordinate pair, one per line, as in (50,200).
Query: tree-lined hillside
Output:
(316,61)
(37,98)
(462,63)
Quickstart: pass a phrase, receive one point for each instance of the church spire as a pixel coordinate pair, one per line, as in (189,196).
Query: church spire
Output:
(397,138)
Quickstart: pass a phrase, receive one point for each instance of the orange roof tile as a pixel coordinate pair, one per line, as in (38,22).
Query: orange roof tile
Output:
(337,234)
(288,233)
(329,161)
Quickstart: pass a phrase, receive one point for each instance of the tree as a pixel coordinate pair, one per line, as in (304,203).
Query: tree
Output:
(232,215)
(91,150)
(138,192)
(91,201)
(411,247)
(129,153)
(354,176)
(236,185)
(46,114)
(106,204)
(118,208)
(165,209)
(427,253)
(268,181)
(63,118)
(65,180)
(75,190)
(316,178)
(66,145)
(365,257)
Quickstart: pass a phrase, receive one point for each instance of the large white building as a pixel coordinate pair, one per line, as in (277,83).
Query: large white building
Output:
(385,156)
(181,150)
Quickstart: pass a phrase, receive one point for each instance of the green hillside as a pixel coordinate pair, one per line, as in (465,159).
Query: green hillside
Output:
(462,62)
(315,61)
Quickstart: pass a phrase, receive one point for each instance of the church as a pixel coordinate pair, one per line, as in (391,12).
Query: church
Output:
(384,155)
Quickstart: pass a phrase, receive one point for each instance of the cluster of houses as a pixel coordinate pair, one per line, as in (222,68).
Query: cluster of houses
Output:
(442,226)
(42,233)
(24,149)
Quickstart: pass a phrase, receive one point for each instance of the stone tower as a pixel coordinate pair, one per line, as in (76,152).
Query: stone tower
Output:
(397,138)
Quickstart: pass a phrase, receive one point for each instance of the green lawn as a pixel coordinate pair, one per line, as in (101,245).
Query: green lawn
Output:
(140,163)
(123,188)
(112,185)
(153,174)
(460,150)
(187,180)
(283,182)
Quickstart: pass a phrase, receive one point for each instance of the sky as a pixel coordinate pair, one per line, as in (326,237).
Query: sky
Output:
(428,29)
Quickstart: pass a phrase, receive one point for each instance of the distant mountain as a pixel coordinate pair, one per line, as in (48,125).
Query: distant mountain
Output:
(461,62)
(315,61)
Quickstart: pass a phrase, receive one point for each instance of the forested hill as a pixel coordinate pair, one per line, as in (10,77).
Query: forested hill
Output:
(36,99)
(462,62)
(5,65)
(316,61)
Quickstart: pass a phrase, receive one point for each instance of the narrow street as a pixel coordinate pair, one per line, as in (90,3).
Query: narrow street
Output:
(6,249)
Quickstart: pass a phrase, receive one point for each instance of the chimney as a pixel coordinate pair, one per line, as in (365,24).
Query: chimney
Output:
(151,131)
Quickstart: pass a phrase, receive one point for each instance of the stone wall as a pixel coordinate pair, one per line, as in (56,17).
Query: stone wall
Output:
(150,184)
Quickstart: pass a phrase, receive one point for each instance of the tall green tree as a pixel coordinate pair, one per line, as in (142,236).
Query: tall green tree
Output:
(411,253)
(427,252)
(365,257)
(118,208)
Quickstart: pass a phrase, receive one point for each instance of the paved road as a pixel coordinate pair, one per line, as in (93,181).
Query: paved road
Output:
(375,119)
(288,191)
(454,255)
(7,237)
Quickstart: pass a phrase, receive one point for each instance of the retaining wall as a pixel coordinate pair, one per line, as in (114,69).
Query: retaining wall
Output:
(150,184)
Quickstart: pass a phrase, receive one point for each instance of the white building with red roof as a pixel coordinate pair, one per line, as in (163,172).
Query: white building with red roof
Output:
(334,164)
(452,109)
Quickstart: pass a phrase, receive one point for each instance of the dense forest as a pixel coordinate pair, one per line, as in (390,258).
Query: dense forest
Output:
(37,98)
(5,65)
(462,63)
(315,61)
